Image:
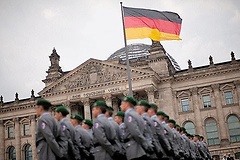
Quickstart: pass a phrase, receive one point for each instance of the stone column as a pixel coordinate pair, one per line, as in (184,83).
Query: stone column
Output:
(197,113)
(222,130)
(115,105)
(87,109)
(108,99)
(33,133)
(2,141)
(17,135)
(237,84)
(150,93)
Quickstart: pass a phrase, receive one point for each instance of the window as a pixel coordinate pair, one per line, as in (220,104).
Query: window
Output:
(237,155)
(234,128)
(212,132)
(26,129)
(11,153)
(190,128)
(206,101)
(10,132)
(185,104)
(228,97)
(28,152)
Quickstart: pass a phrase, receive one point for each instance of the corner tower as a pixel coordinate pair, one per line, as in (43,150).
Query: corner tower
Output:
(54,72)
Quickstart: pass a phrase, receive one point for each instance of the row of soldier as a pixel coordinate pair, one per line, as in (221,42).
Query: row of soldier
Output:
(137,132)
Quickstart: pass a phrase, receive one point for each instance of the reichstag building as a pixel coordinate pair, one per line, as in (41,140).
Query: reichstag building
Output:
(205,99)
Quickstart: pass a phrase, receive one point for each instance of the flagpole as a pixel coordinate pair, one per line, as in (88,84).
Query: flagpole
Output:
(127,59)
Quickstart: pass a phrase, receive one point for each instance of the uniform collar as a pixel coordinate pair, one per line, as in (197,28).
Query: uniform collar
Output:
(100,115)
(63,119)
(128,110)
(110,118)
(45,113)
(154,116)
(145,114)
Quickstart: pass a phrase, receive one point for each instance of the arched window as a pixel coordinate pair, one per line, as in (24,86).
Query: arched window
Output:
(28,152)
(190,128)
(11,153)
(212,131)
(234,128)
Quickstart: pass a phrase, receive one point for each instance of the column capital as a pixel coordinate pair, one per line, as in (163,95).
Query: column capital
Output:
(107,97)
(237,83)
(125,93)
(215,86)
(150,90)
(66,103)
(16,119)
(1,122)
(85,101)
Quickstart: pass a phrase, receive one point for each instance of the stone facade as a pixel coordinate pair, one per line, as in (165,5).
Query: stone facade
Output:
(203,99)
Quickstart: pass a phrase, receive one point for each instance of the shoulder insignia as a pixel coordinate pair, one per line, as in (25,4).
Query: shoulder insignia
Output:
(43,125)
(96,125)
(155,124)
(130,119)
(63,127)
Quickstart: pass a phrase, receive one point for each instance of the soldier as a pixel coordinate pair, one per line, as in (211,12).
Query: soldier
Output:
(50,141)
(205,147)
(119,118)
(177,140)
(60,114)
(83,138)
(104,135)
(161,116)
(198,149)
(189,154)
(160,132)
(118,145)
(87,125)
(150,131)
(135,143)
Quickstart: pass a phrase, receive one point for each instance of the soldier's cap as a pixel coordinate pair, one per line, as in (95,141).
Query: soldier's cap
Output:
(161,113)
(45,103)
(201,137)
(183,129)
(120,114)
(110,108)
(143,103)
(177,126)
(88,122)
(153,105)
(63,110)
(129,99)
(100,104)
(172,121)
(77,117)
(166,116)
(196,135)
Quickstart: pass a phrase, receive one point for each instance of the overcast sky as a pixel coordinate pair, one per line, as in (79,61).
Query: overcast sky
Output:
(83,29)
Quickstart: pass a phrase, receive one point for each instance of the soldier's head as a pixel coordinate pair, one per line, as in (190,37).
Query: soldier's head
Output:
(201,138)
(76,119)
(42,106)
(152,110)
(166,118)
(109,111)
(87,124)
(61,112)
(196,138)
(119,117)
(142,107)
(183,130)
(161,115)
(127,102)
(171,123)
(99,107)
(177,127)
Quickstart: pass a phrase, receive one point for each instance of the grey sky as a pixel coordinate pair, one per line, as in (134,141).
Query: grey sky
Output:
(83,29)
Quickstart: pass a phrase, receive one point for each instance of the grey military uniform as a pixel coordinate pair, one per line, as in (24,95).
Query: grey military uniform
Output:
(135,142)
(68,129)
(161,135)
(103,138)
(50,140)
(187,147)
(84,141)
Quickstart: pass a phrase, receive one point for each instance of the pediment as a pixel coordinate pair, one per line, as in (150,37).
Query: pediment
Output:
(91,73)
(205,90)
(183,94)
(228,86)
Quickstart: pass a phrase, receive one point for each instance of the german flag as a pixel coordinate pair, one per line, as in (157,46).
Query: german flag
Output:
(156,25)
